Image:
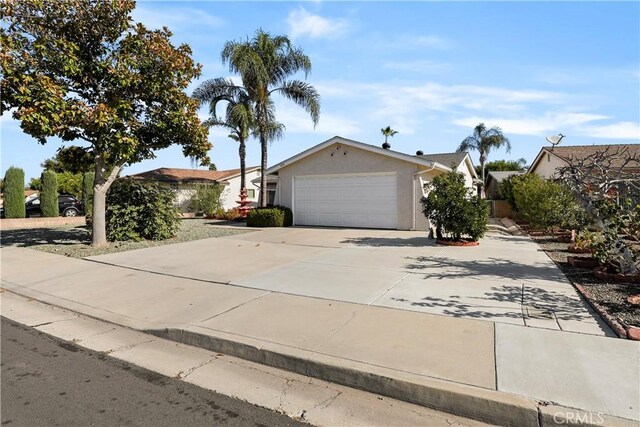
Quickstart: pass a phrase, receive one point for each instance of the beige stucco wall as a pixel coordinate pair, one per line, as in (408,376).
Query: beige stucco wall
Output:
(344,159)
(548,165)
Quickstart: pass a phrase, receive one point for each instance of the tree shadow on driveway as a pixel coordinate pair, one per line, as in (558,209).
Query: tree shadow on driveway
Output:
(436,267)
(413,242)
(26,237)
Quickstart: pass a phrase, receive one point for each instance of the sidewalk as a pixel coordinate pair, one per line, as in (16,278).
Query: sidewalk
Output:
(497,373)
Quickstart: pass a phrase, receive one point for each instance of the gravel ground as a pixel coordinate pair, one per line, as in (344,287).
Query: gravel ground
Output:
(611,296)
(75,241)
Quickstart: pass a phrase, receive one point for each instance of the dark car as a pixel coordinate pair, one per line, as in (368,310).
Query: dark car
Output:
(68,206)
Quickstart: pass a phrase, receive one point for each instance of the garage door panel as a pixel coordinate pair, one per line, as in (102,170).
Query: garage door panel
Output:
(346,201)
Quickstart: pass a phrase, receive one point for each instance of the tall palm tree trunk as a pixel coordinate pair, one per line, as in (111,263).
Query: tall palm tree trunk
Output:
(262,123)
(242,152)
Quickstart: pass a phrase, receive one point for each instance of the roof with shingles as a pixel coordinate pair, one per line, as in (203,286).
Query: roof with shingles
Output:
(567,152)
(446,159)
(188,175)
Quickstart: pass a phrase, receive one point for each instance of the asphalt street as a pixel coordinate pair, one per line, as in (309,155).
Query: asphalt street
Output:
(50,382)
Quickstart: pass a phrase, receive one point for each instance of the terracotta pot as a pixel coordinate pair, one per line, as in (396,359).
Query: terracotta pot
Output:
(582,262)
(601,273)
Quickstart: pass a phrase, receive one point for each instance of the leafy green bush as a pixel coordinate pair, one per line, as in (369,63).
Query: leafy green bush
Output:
(454,209)
(70,183)
(14,193)
(49,194)
(288,215)
(206,199)
(548,204)
(265,217)
(140,210)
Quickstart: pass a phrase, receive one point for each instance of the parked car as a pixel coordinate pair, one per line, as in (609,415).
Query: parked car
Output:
(67,205)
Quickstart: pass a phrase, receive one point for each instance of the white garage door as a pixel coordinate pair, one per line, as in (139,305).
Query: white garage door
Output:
(366,200)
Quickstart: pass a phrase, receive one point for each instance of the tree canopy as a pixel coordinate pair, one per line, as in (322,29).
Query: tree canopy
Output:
(265,64)
(483,141)
(83,70)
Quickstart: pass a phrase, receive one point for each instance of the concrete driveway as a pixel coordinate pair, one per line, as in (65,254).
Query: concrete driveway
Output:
(507,279)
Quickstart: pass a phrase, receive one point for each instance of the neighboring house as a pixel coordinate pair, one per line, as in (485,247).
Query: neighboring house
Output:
(28,195)
(549,160)
(345,183)
(494,178)
(184,182)
(460,162)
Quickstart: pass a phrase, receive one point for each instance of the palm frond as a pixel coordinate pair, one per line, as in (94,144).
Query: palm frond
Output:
(304,95)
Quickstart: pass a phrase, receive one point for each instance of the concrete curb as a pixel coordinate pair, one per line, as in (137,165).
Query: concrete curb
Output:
(485,405)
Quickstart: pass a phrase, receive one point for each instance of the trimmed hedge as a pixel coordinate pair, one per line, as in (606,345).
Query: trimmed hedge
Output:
(87,192)
(14,193)
(277,216)
(49,194)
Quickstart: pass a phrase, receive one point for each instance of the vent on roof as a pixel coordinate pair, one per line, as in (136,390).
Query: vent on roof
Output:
(386,145)
(419,153)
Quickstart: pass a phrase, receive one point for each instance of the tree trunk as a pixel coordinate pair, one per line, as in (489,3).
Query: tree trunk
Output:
(242,152)
(101,185)
(99,228)
(262,122)
(263,168)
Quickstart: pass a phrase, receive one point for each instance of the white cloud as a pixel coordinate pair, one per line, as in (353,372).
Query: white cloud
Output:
(303,23)
(576,123)
(618,130)
(176,19)
(297,120)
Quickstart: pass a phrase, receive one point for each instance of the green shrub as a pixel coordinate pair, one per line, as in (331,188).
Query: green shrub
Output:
(87,191)
(49,194)
(228,215)
(265,217)
(140,210)
(14,193)
(288,216)
(454,209)
(548,204)
(206,199)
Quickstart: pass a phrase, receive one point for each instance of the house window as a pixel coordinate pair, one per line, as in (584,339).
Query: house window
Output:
(251,193)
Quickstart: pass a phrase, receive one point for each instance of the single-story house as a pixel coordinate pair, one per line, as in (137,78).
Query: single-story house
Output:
(184,181)
(550,159)
(346,183)
(494,178)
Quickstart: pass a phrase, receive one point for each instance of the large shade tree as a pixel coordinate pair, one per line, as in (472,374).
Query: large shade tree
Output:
(266,64)
(483,141)
(82,70)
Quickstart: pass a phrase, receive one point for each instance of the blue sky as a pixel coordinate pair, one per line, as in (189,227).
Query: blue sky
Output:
(430,70)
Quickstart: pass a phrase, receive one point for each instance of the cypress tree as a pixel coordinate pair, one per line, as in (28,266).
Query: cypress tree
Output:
(14,193)
(49,194)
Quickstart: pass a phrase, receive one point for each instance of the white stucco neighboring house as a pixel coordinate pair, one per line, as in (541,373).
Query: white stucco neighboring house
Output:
(184,181)
(346,183)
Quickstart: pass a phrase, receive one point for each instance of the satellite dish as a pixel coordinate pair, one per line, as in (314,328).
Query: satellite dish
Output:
(555,139)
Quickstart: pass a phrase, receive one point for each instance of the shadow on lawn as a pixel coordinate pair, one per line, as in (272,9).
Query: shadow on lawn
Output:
(24,238)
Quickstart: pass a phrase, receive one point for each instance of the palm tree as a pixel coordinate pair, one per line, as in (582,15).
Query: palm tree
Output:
(265,64)
(387,132)
(239,119)
(483,141)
